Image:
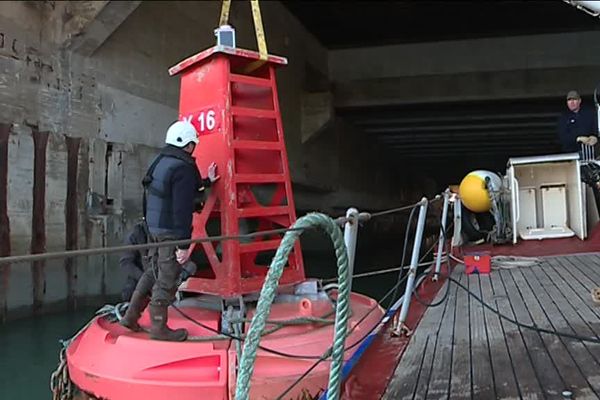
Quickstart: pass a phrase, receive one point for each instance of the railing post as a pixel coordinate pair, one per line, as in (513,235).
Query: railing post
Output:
(443,238)
(350,238)
(457,235)
(399,326)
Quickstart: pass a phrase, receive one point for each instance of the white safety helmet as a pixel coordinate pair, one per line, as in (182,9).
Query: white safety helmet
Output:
(181,133)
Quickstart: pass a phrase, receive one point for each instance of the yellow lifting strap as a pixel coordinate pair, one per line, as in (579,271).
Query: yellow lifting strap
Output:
(225,6)
(258,25)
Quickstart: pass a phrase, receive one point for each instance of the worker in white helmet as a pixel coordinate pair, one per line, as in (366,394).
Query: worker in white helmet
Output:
(171,185)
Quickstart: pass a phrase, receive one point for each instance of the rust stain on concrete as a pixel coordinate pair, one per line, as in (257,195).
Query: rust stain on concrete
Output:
(4,221)
(38,220)
(71,218)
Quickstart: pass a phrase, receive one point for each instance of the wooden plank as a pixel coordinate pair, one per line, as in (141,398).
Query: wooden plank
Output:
(587,264)
(460,382)
(547,316)
(449,355)
(415,365)
(481,386)
(527,381)
(504,379)
(564,271)
(545,370)
(439,380)
(596,259)
(404,382)
(588,267)
(582,274)
(579,281)
(593,261)
(574,293)
(569,308)
(430,354)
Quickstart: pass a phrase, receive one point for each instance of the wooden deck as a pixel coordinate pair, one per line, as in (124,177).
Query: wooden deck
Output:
(461,350)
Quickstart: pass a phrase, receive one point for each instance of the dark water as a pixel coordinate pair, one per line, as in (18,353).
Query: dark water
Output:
(29,348)
(29,353)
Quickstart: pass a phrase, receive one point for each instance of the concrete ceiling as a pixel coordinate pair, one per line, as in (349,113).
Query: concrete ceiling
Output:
(453,130)
(341,24)
(448,140)
(460,135)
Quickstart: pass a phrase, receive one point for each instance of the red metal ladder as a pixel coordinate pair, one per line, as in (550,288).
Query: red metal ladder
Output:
(230,95)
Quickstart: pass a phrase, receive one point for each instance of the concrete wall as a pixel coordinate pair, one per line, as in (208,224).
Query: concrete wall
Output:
(480,69)
(85,100)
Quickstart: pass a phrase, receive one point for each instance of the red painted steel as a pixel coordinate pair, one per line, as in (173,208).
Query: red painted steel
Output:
(110,362)
(231,98)
(478,263)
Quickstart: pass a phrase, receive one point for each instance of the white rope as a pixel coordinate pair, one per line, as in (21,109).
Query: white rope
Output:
(507,262)
(511,262)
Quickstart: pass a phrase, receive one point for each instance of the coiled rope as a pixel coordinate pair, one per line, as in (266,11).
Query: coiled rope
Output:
(267,294)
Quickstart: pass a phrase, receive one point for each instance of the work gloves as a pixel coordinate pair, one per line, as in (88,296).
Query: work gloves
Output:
(212,172)
(188,269)
(588,140)
(181,255)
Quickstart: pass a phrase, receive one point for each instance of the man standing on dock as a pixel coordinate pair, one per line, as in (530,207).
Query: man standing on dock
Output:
(577,125)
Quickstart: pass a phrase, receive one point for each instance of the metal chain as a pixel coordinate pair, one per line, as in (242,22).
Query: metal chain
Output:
(60,383)
(61,386)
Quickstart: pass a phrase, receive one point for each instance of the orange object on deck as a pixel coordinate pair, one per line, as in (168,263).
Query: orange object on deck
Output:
(478,263)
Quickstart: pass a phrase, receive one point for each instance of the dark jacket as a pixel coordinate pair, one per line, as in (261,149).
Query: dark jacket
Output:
(171,194)
(571,125)
(132,260)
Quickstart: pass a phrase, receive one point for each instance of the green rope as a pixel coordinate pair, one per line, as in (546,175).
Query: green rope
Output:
(269,289)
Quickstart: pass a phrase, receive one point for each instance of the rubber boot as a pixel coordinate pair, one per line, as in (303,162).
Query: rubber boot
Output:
(138,303)
(160,330)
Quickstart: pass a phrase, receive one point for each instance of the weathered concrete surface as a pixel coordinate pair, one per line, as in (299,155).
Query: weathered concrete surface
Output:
(4,221)
(461,56)
(96,72)
(480,69)
(20,204)
(92,23)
